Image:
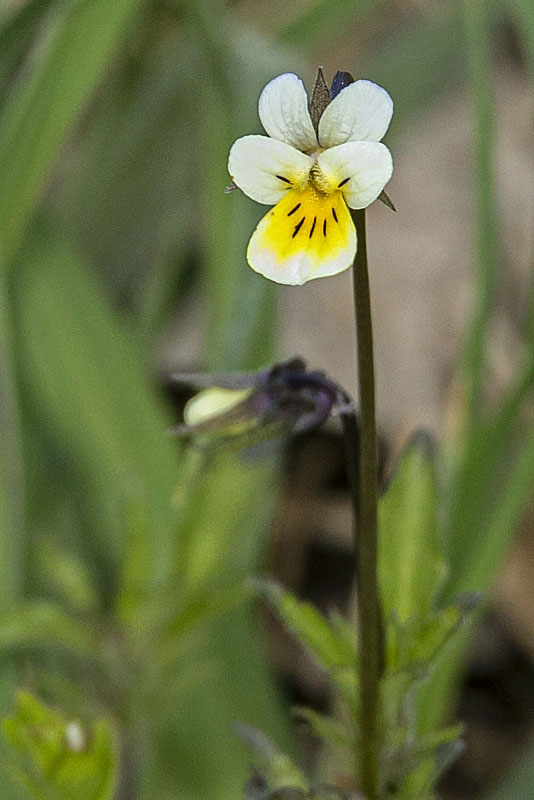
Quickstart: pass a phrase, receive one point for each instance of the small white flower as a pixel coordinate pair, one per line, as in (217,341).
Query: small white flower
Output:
(311,178)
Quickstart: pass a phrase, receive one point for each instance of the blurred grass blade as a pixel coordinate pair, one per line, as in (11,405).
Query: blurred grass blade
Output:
(411,565)
(241,310)
(419,65)
(11,489)
(323,20)
(90,386)
(11,500)
(522,11)
(477,484)
(34,127)
(16,35)
(66,575)
(480,568)
(129,202)
(37,625)
(477,15)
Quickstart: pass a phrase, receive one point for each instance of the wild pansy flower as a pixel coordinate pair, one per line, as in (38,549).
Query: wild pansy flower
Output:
(312,172)
(249,408)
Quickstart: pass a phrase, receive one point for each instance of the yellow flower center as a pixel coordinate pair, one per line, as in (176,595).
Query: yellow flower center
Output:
(319,182)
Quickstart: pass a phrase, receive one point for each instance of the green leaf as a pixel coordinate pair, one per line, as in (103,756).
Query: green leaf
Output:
(66,575)
(39,624)
(411,566)
(513,500)
(57,758)
(331,649)
(18,29)
(478,486)
(241,304)
(477,21)
(128,202)
(328,729)
(279,769)
(89,384)
(35,124)
(414,644)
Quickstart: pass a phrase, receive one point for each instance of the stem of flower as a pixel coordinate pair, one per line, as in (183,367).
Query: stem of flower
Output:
(361,449)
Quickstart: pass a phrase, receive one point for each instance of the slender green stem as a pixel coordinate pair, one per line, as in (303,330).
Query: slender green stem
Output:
(362,445)
(476,16)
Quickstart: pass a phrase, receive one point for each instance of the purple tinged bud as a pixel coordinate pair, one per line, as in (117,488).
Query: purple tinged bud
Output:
(339,81)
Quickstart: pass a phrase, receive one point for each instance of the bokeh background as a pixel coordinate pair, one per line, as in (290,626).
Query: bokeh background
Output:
(123,261)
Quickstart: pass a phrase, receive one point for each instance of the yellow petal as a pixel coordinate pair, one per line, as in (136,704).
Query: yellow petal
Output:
(307,235)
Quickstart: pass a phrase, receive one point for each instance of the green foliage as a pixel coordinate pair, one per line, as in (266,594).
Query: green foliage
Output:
(277,767)
(411,567)
(58,759)
(417,629)
(35,122)
(115,122)
(332,645)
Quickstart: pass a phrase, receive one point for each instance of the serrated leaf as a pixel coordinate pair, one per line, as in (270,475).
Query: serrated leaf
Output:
(331,649)
(278,768)
(411,565)
(328,729)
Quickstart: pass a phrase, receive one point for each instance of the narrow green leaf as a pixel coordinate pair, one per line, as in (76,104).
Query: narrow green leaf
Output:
(480,569)
(328,729)
(478,481)
(278,767)
(35,625)
(128,203)
(12,522)
(16,34)
(89,384)
(66,575)
(477,16)
(312,629)
(411,565)
(241,307)
(35,126)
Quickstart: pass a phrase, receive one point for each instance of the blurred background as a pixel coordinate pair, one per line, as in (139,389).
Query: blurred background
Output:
(122,261)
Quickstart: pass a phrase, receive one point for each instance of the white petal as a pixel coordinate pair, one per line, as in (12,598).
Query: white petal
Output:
(358,169)
(283,110)
(265,169)
(361,111)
